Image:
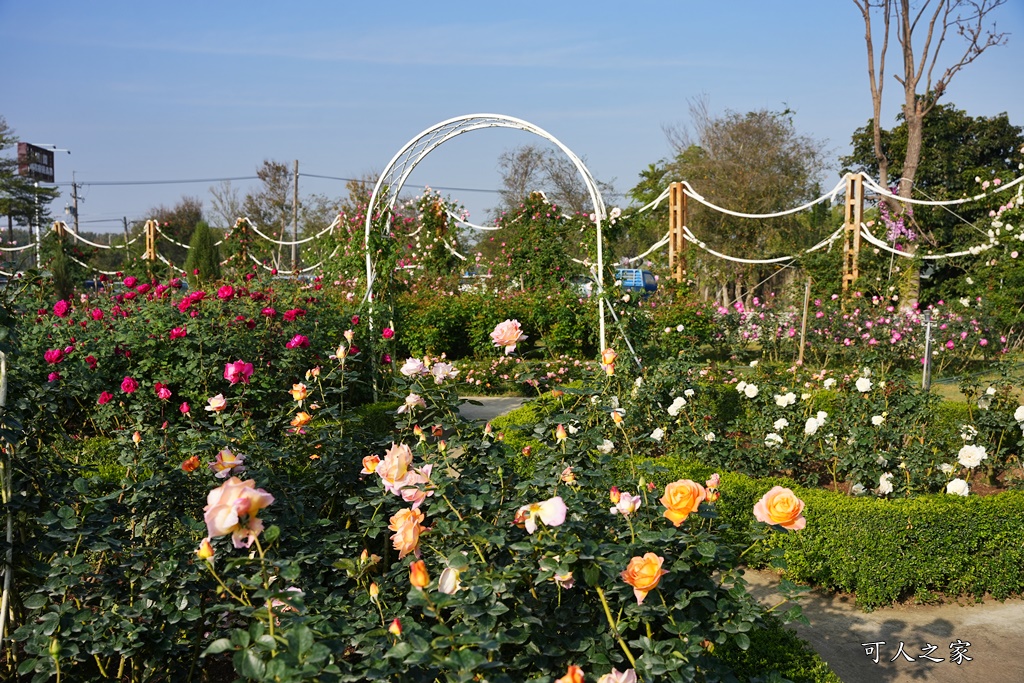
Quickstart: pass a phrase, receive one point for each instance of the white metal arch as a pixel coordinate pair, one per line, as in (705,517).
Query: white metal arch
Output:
(389,185)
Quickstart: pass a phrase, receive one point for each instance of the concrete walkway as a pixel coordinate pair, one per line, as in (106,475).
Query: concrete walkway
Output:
(491,407)
(848,639)
(838,632)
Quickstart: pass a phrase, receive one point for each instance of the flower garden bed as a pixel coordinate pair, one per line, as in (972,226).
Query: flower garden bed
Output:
(254,480)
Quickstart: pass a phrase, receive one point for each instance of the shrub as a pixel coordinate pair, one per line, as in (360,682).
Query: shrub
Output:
(203,256)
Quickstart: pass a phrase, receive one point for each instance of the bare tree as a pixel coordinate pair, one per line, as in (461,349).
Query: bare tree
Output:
(921,31)
(226,205)
(528,168)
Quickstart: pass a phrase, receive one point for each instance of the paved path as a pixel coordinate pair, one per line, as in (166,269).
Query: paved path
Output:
(491,407)
(838,630)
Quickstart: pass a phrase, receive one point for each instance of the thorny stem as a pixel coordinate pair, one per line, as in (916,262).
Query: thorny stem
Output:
(476,547)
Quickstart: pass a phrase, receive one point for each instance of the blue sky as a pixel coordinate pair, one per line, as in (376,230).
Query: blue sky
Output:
(192,90)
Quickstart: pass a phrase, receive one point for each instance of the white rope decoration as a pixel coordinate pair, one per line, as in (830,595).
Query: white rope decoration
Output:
(873,184)
(22,248)
(169,238)
(690,192)
(323,232)
(4,272)
(658,245)
(690,237)
(931,257)
(87,266)
(271,268)
(452,249)
(79,238)
(169,264)
(462,221)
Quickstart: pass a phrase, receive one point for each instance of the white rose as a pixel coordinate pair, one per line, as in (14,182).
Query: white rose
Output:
(820,417)
(750,390)
(773,440)
(657,434)
(676,406)
(971,456)
(709,437)
(830,382)
(811,426)
(606,447)
(958,487)
(885,484)
(741,386)
(780,424)
(753,363)
(946,468)
(877,420)
(858,489)
(863,385)
(783,400)
(679,328)
(688,393)
(1018,414)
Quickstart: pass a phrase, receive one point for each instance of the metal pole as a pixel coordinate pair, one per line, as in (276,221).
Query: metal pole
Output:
(926,377)
(6,488)
(295,219)
(39,230)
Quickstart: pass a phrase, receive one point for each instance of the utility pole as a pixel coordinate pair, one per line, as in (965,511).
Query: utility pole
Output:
(74,200)
(295,220)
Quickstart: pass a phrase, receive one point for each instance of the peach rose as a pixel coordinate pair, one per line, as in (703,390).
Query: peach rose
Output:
(781,507)
(394,468)
(681,498)
(301,419)
(232,507)
(643,574)
(217,403)
(573,674)
(407,528)
(299,392)
(508,334)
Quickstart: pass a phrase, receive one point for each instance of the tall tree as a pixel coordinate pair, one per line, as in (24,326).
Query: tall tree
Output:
(226,205)
(921,31)
(755,162)
(270,208)
(177,222)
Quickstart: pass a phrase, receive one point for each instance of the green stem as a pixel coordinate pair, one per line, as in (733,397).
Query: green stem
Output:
(611,624)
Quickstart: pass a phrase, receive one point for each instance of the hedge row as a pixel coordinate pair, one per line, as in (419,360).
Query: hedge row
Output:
(881,550)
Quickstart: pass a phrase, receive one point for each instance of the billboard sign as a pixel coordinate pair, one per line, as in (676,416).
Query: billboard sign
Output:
(35,162)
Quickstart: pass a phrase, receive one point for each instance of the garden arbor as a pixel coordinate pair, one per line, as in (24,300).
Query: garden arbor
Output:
(389,185)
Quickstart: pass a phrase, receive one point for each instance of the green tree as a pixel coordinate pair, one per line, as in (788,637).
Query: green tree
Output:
(959,153)
(203,263)
(177,222)
(755,162)
(20,200)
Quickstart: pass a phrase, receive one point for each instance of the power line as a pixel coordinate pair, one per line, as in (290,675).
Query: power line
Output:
(109,183)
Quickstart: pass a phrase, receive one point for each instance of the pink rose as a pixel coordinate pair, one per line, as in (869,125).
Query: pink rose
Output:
(96,313)
(225,292)
(184,408)
(162,391)
(387,333)
(130,281)
(299,341)
(508,334)
(239,371)
(53,356)
(105,398)
(129,385)
(61,308)
(53,377)
(90,360)
(268,312)
(179,332)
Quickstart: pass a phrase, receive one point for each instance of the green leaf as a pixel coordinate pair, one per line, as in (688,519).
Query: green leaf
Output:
(271,534)
(742,640)
(35,601)
(249,665)
(218,646)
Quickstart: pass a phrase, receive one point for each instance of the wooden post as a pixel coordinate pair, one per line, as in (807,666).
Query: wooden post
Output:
(676,241)
(803,323)
(854,216)
(150,254)
(60,227)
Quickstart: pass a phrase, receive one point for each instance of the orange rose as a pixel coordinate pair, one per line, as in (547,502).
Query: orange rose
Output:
(643,574)
(681,498)
(781,506)
(301,419)
(573,674)
(418,575)
(407,528)
(299,392)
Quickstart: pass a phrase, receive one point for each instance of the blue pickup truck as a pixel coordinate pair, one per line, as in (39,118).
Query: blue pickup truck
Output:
(636,280)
